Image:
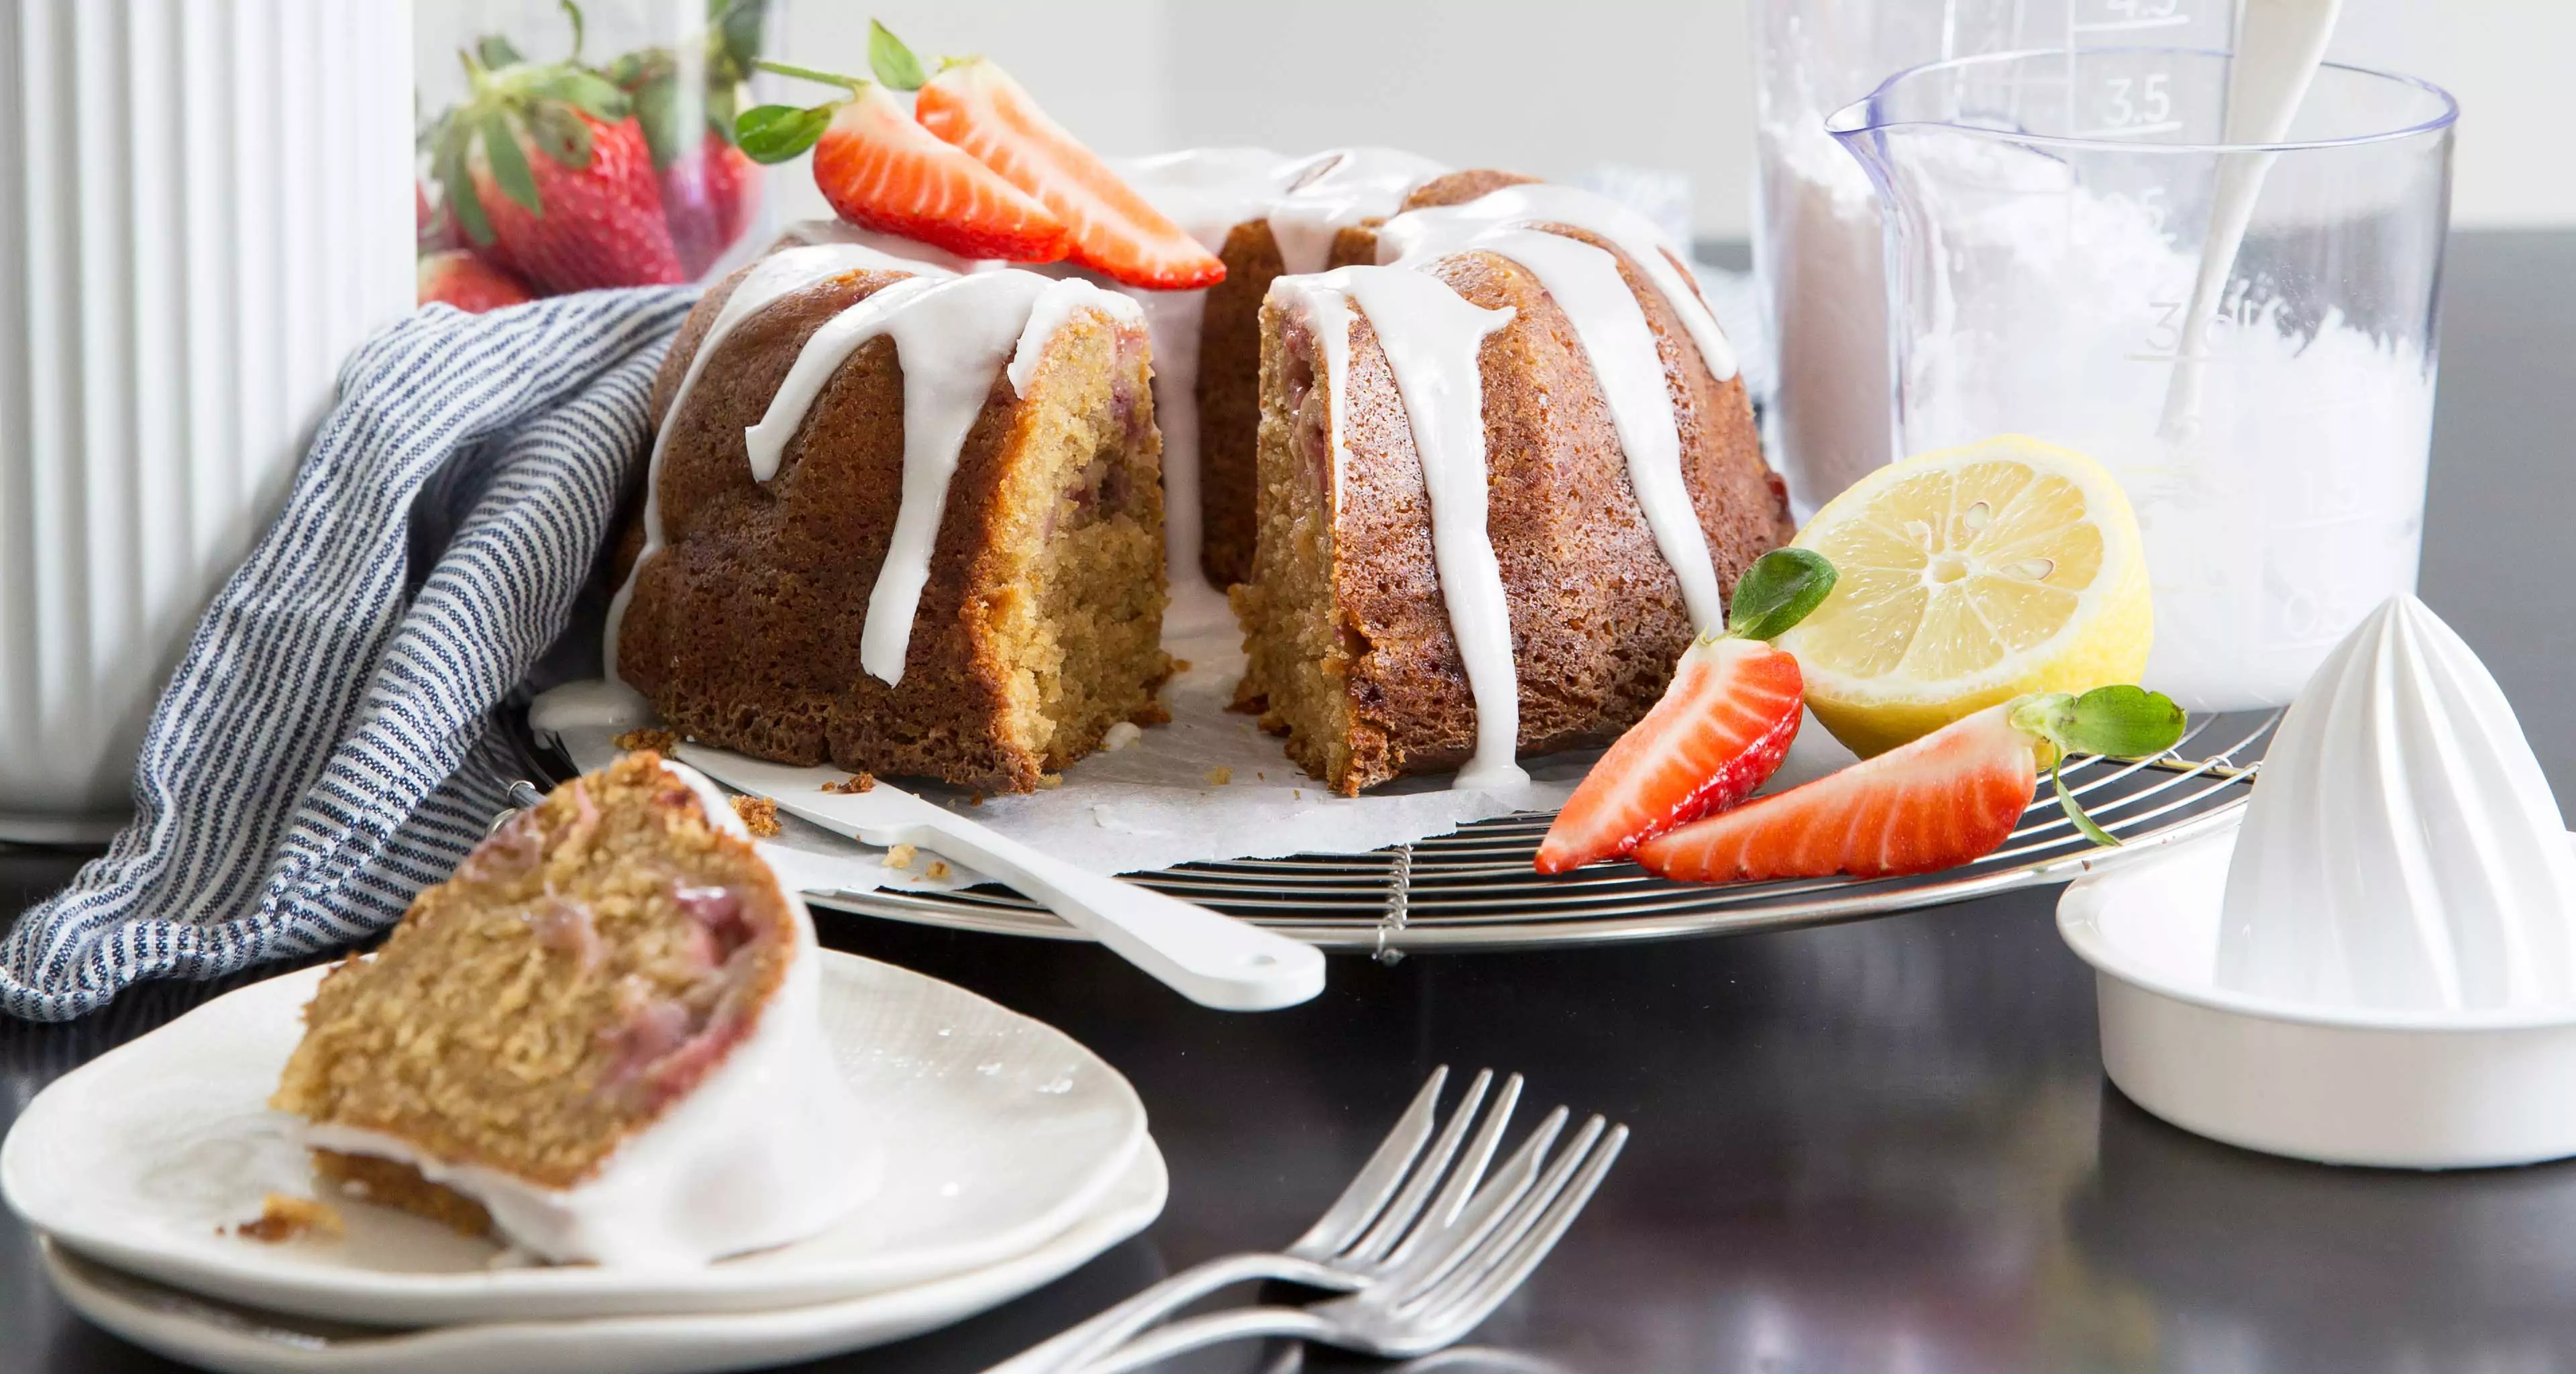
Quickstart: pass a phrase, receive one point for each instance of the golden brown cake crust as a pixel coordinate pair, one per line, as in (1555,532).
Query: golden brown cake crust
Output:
(744,628)
(1229,372)
(1597,615)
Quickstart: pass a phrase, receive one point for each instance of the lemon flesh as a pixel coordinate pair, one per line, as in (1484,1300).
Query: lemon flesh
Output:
(1969,576)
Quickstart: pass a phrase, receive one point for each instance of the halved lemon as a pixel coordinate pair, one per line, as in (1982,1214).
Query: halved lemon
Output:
(1970,576)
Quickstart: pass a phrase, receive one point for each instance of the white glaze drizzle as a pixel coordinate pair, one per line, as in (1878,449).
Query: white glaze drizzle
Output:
(1432,336)
(951,334)
(1209,191)
(1536,204)
(1585,283)
(781,274)
(756,1155)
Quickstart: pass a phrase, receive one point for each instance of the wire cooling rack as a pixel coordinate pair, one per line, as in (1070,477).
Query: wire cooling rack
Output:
(1476,889)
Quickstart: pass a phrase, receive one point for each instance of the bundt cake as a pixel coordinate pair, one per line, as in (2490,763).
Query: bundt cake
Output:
(900,517)
(1504,476)
(600,1039)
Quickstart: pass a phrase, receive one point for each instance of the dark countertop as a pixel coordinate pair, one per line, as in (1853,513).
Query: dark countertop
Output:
(1884,1146)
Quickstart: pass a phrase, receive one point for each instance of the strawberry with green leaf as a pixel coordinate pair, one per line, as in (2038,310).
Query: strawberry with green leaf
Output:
(546,171)
(1953,795)
(709,188)
(882,171)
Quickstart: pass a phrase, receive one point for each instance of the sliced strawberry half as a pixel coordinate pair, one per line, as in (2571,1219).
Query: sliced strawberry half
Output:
(1949,797)
(1721,729)
(1724,724)
(882,171)
(976,105)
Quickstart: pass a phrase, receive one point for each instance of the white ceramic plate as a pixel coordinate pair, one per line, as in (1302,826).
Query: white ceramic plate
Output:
(989,1133)
(186,1327)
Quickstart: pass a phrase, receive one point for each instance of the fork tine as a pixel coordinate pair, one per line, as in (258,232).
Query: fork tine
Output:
(1464,1302)
(1471,1171)
(1513,1221)
(1377,1180)
(1491,1204)
(1427,1173)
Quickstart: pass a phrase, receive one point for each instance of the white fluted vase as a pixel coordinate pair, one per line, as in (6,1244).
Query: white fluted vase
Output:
(202,211)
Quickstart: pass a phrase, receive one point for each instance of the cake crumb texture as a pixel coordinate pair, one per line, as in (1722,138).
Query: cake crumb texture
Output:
(587,965)
(759,815)
(283,1217)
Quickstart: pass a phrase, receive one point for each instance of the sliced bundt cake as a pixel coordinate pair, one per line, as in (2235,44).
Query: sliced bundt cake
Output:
(600,1039)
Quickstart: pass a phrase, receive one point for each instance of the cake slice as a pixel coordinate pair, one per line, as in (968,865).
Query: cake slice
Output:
(600,1040)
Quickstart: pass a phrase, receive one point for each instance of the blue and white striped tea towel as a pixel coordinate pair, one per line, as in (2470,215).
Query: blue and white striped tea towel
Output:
(320,754)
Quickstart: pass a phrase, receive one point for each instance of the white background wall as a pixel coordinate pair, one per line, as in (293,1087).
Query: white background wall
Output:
(1551,88)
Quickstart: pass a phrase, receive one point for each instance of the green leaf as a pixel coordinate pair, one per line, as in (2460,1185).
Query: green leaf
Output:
(657,108)
(721,103)
(457,183)
(509,164)
(596,95)
(893,63)
(573,13)
(2123,722)
(739,32)
(496,52)
(775,133)
(561,133)
(2075,810)
(1778,591)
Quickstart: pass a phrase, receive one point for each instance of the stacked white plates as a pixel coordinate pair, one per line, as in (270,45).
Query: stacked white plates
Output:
(1004,1154)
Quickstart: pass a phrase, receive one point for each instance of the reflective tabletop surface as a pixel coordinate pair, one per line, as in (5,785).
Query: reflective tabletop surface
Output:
(1883,1146)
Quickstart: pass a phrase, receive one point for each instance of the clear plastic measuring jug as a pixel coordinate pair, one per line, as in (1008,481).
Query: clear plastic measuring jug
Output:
(2044,218)
(1816,235)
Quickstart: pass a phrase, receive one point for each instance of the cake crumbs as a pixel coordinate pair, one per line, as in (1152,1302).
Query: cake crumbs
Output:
(1048,782)
(1152,713)
(974,799)
(938,870)
(283,1218)
(1180,665)
(1220,776)
(660,741)
(860,781)
(1120,735)
(759,815)
(901,856)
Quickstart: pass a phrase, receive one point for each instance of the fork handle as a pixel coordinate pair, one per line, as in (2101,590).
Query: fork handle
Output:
(1067,1350)
(1216,1328)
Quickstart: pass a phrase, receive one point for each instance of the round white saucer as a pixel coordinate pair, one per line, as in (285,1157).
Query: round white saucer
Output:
(186,1327)
(989,1132)
(2413,1089)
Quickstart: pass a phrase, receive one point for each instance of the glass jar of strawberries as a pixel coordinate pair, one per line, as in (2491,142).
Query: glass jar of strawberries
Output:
(568,147)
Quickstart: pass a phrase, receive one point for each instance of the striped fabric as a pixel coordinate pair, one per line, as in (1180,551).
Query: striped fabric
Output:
(320,754)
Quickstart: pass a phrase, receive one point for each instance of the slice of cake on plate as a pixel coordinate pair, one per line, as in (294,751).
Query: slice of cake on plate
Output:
(600,1040)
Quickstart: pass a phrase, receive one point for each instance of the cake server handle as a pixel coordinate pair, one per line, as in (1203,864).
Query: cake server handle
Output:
(1207,956)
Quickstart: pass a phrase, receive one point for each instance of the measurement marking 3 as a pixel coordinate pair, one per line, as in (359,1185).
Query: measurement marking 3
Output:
(2129,130)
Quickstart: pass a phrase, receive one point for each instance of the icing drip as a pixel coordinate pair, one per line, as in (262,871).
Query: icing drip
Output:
(1172,320)
(1208,191)
(778,275)
(1537,205)
(1054,308)
(1585,283)
(1337,190)
(1432,336)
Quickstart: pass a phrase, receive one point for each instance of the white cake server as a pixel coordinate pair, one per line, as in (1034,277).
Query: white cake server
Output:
(1207,956)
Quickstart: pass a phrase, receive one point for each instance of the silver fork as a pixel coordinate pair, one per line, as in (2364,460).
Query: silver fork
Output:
(1446,1287)
(1367,1231)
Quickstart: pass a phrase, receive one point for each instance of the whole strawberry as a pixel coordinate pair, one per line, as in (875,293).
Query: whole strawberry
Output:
(547,174)
(708,196)
(459,278)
